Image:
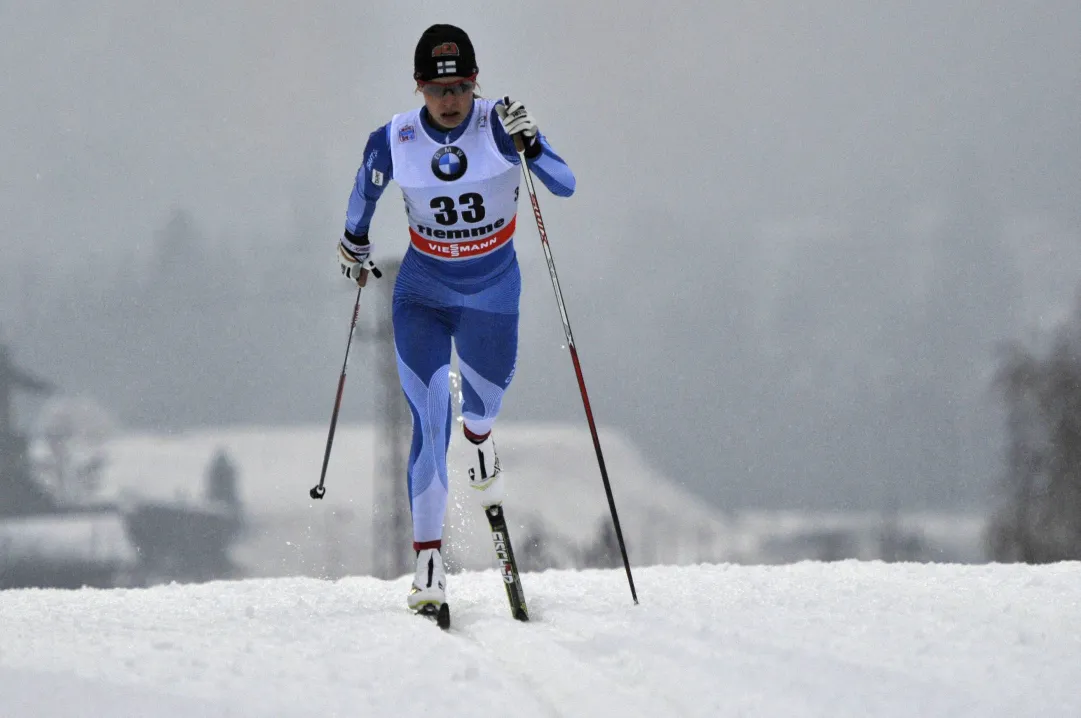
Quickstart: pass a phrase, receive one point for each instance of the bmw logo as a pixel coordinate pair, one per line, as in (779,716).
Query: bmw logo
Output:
(449,163)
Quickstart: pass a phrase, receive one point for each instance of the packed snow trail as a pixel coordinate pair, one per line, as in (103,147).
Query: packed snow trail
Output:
(810,639)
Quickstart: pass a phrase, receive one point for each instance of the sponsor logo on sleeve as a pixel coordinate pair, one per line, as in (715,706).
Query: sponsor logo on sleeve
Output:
(377,178)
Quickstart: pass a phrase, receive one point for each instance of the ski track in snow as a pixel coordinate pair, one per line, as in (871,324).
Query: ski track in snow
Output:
(809,639)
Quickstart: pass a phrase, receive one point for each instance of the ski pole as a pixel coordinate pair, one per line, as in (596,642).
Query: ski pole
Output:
(518,145)
(318,491)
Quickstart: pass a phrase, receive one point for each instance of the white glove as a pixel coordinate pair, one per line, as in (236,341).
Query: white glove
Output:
(353,256)
(516,118)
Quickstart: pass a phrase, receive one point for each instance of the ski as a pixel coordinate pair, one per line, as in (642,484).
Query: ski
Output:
(508,567)
(440,614)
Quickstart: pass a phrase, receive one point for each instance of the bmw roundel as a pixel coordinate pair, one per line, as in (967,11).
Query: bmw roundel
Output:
(449,163)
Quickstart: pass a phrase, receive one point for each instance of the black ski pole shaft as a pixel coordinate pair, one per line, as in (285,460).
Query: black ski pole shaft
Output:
(319,490)
(574,358)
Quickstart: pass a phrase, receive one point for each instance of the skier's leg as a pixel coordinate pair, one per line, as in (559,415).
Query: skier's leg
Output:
(487,344)
(422,342)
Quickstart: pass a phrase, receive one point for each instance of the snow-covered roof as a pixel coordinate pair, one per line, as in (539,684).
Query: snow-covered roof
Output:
(552,474)
(554,495)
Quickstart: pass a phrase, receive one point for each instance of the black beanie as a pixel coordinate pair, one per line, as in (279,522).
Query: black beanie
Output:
(444,51)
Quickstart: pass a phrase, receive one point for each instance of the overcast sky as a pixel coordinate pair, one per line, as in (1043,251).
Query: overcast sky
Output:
(798,232)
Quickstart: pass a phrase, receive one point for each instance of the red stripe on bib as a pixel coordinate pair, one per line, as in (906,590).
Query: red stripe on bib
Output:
(464,249)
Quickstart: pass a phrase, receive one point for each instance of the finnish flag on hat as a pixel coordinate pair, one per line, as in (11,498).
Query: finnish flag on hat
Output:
(444,51)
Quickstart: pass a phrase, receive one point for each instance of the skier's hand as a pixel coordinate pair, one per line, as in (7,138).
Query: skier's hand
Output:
(354,257)
(517,121)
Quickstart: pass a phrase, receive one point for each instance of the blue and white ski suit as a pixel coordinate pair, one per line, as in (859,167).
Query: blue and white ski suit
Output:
(459,278)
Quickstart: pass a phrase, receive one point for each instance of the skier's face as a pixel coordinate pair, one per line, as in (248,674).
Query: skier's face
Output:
(448,99)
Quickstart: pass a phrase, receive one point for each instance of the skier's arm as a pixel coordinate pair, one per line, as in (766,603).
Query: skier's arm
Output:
(355,248)
(371,180)
(541,158)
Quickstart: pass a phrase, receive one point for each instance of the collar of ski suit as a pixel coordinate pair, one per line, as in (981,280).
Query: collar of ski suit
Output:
(444,136)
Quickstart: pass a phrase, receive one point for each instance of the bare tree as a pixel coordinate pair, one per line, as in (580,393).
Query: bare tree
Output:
(1041,520)
(222,481)
(71,452)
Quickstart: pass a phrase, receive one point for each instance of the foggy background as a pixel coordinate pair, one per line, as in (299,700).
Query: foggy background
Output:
(798,237)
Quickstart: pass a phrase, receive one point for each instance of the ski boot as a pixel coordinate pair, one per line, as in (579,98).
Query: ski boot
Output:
(427,596)
(485,474)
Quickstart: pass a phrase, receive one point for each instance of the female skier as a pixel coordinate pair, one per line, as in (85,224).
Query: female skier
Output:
(456,164)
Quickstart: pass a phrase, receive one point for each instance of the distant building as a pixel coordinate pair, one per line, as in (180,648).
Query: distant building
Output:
(556,504)
(50,537)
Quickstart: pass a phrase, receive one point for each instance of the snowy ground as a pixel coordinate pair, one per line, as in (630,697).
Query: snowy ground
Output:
(808,639)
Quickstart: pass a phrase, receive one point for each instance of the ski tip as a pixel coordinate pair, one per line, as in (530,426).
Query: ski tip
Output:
(521,615)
